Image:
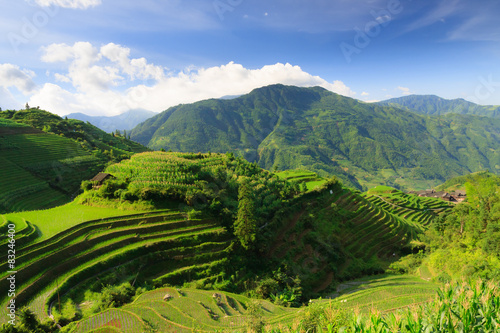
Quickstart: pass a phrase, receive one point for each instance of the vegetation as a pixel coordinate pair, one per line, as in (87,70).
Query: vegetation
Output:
(458,183)
(211,242)
(466,242)
(364,145)
(44,158)
(434,105)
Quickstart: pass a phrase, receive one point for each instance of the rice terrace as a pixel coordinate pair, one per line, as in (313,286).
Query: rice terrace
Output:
(102,234)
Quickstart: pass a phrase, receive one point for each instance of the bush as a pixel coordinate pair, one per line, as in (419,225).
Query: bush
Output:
(116,296)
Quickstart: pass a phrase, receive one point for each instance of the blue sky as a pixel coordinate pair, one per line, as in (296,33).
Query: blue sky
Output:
(103,57)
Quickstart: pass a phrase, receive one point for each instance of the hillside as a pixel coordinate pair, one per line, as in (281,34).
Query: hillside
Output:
(285,127)
(45,158)
(458,183)
(218,222)
(434,105)
(125,121)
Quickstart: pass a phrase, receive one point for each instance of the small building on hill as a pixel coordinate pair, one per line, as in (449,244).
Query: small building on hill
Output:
(100,178)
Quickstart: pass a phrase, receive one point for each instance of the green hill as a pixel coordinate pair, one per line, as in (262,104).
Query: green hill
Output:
(365,145)
(44,158)
(458,183)
(434,105)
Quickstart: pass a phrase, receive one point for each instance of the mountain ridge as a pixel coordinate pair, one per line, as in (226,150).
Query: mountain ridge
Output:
(435,105)
(124,121)
(286,127)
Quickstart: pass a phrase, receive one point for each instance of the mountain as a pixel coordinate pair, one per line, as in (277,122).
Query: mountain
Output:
(44,158)
(434,105)
(287,127)
(125,121)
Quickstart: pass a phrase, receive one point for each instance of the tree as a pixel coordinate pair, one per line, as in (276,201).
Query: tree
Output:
(245,227)
(27,106)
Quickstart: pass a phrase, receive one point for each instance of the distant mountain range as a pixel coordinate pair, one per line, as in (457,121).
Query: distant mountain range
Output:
(285,127)
(124,121)
(434,105)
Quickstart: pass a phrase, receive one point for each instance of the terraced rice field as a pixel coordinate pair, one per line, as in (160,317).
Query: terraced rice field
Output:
(207,311)
(417,210)
(369,229)
(311,179)
(187,310)
(89,249)
(383,294)
(29,158)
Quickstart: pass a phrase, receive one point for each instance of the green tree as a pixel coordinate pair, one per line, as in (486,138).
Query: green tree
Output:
(245,227)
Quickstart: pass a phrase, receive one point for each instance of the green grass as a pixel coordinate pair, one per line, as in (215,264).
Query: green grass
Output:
(55,220)
(311,179)
(382,189)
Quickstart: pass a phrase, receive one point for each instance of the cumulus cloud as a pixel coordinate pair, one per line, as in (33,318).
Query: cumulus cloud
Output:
(13,76)
(74,4)
(109,81)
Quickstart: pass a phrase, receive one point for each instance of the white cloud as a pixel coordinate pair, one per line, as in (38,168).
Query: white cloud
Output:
(108,81)
(13,76)
(405,91)
(91,68)
(74,4)
(364,93)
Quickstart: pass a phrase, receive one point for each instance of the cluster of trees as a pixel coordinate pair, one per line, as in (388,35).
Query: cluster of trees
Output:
(240,194)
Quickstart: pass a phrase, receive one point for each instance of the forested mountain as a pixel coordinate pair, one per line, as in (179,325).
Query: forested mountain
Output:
(125,121)
(286,127)
(434,105)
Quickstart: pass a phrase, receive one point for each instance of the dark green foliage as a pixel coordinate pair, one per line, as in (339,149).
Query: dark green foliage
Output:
(284,127)
(115,296)
(245,226)
(27,322)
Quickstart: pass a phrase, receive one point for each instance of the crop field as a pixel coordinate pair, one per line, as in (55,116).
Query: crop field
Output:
(367,231)
(311,179)
(417,210)
(30,157)
(383,294)
(79,252)
(208,311)
(187,310)
(55,220)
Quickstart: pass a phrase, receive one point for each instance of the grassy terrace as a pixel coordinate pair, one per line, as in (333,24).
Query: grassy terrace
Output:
(73,247)
(418,211)
(365,231)
(311,179)
(203,311)
(384,294)
(29,157)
